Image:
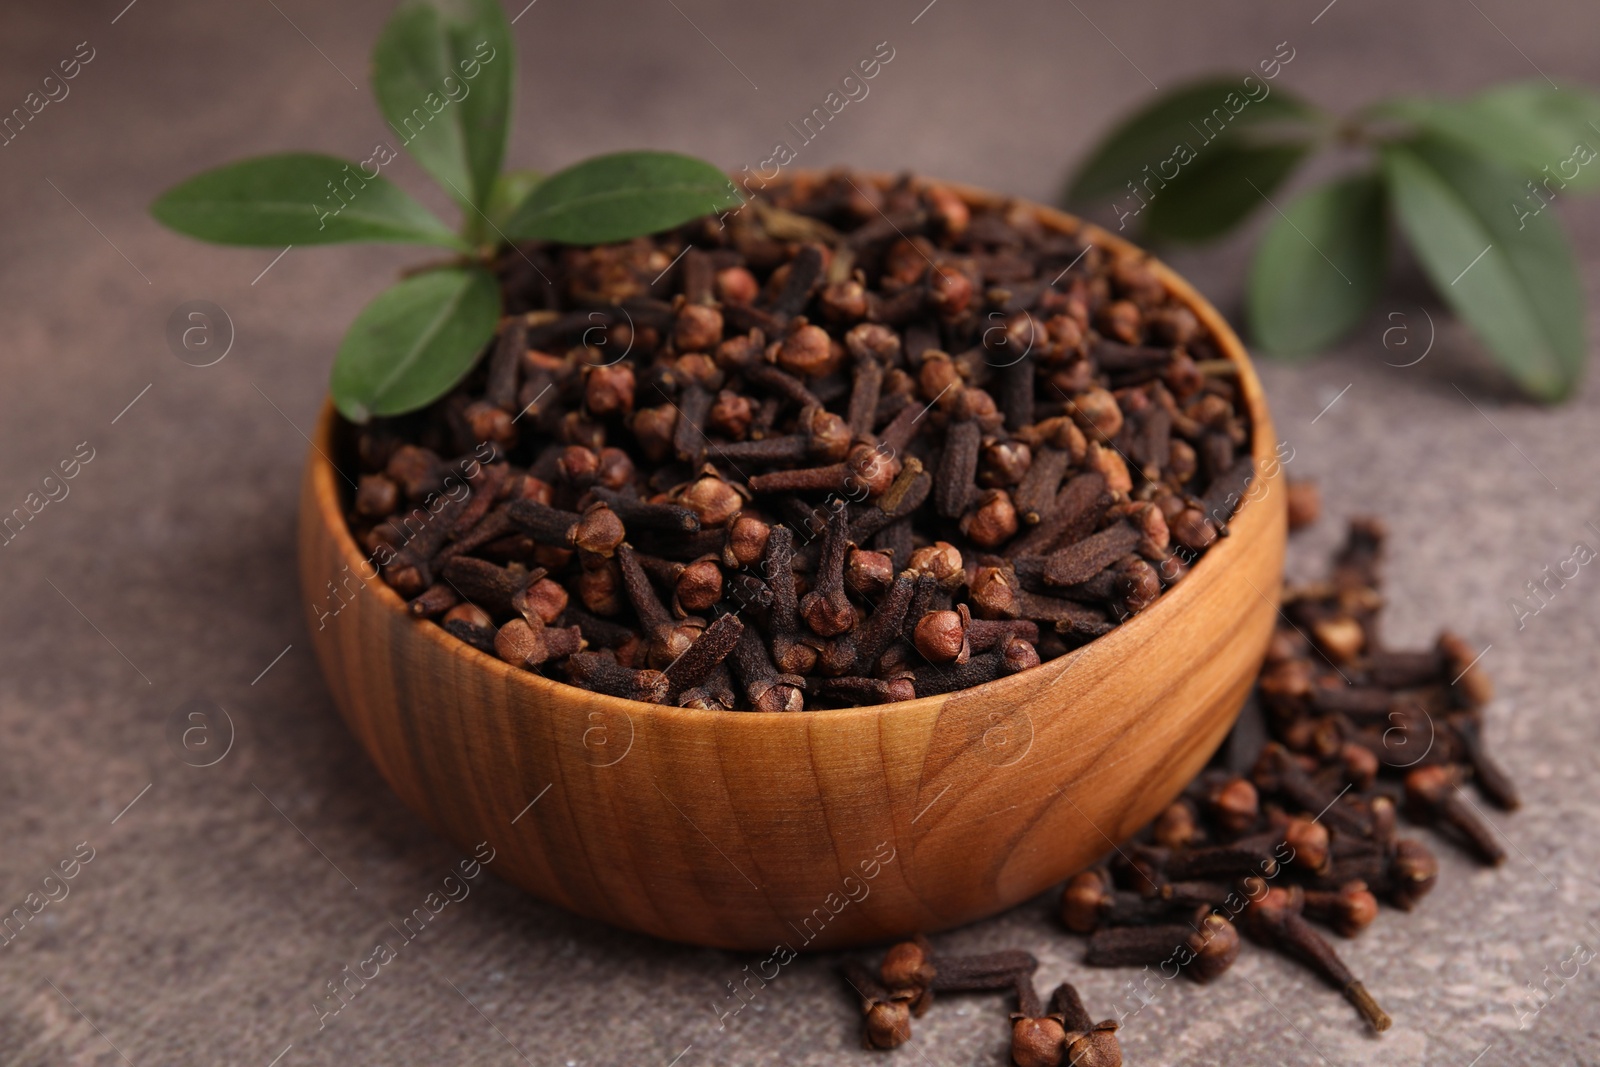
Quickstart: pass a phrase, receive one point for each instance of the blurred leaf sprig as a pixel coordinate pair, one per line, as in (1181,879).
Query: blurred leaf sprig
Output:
(1466,182)
(443,72)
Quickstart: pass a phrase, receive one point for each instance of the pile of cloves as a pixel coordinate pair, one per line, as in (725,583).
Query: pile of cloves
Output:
(1296,823)
(853,443)
(911,972)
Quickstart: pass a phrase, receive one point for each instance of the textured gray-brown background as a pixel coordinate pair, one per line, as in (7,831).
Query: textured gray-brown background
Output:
(206,925)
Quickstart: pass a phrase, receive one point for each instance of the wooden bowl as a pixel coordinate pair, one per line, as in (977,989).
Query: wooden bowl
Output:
(812,830)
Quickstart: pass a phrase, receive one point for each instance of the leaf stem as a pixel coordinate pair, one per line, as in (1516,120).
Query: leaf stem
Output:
(464,260)
(474,228)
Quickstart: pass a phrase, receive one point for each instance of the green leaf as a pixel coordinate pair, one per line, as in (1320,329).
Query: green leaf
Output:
(443,72)
(620,196)
(1319,267)
(1512,279)
(1153,135)
(414,342)
(297,198)
(1214,193)
(1548,133)
(510,189)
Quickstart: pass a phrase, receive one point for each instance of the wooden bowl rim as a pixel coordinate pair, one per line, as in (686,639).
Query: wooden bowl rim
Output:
(532,687)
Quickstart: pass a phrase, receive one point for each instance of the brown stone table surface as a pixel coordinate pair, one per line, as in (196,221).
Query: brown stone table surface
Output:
(218,905)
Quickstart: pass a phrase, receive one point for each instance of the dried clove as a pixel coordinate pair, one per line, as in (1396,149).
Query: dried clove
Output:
(604,675)
(1037,1040)
(668,639)
(764,687)
(1432,797)
(1273,918)
(1088,1043)
(1084,559)
(1348,910)
(956,483)
(522,644)
(437,599)
(1203,948)
(490,587)
(635,513)
(695,664)
(826,609)
(792,652)
(1489,776)
(887,1018)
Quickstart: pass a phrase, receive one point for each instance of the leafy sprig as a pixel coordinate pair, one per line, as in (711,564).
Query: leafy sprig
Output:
(1466,182)
(443,72)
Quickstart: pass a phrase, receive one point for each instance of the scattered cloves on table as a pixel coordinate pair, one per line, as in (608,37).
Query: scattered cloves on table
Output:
(911,971)
(1068,1035)
(809,413)
(1296,821)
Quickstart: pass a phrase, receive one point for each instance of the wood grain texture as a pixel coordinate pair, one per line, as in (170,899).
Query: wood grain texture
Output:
(820,829)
